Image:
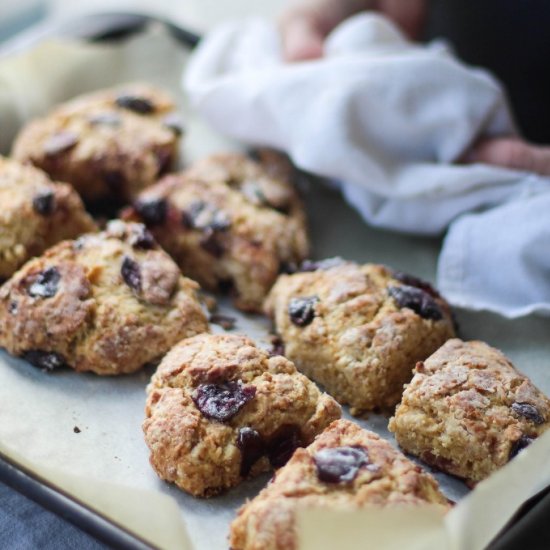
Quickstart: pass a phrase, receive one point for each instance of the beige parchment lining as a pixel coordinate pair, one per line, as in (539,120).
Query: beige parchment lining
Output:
(471,524)
(151,516)
(37,412)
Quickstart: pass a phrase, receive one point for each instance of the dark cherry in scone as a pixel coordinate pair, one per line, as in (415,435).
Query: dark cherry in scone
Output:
(220,409)
(231,223)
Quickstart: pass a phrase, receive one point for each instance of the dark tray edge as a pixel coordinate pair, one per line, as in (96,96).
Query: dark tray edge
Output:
(41,491)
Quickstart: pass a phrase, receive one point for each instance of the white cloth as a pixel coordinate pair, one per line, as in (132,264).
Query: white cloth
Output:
(386,119)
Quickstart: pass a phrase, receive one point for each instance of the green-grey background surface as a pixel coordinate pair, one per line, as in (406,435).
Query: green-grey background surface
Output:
(39,411)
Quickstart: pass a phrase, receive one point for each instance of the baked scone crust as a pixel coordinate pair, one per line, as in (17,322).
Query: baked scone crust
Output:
(230,222)
(468,411)
(108,302)
(109,144)
(387,478)
(350,328)
(206,455)
(36,213)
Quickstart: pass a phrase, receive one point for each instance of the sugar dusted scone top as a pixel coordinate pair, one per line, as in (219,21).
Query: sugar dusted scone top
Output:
(108,302)
(358,329)
(108,144)
(345,468)
(35,213)
(221,409)
(468,411)
(230,222)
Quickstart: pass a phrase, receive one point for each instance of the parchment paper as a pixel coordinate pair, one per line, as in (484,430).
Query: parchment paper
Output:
(106,464)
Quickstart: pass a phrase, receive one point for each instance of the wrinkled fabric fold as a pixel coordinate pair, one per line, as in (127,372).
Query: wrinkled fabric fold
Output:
(389,121)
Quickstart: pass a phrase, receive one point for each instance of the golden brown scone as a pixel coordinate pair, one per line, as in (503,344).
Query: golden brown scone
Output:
(358,329)
(35,214)
(345,468)
(468,411)
(221,409)
(108,302)
(109,144)
(229,222)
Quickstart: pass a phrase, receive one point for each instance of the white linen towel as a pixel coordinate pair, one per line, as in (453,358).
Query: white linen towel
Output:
(388,120)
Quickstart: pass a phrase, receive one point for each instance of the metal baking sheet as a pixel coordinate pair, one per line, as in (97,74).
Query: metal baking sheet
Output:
(40,412)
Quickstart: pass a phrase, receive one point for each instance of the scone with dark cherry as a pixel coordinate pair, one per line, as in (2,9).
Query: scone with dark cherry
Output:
(468,411)
(35,214)
(230,222)
(109,144)
(358,329)
(221,409)
(108,302)
(346,468)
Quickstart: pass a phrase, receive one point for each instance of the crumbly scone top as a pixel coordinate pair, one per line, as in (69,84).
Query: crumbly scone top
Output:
(472,382)
(92,301)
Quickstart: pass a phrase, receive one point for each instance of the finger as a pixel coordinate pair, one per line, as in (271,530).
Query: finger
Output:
(512,153)
(302,38)
(409,16)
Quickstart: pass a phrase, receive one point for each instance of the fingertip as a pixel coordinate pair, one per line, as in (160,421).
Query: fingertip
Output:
(303,50)
(301,39)
(511,153)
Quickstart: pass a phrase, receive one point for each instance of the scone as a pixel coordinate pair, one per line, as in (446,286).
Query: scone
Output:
(109,302)
(35,214)
(345,468)
(221,409)
(109,144)
(230,222)
(358,329)
(468,411)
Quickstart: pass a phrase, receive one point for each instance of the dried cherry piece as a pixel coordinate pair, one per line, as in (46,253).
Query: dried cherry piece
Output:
(523,442)
(528,411)
(131,273)
(47,360)
(201,215)
(253,192)
(340,464)
(59,143)
(283,443)
(45,285)
(44,203)
(416,299)
(115,180)
(164,161)
(321,265)
(225,321)
(302,310)
(142,238)
(191,213)
(153,211)
(220,222)
(411,280)
(222,401)
(252,447)
(211,243)
(288,268)
(140,105)
(277,346)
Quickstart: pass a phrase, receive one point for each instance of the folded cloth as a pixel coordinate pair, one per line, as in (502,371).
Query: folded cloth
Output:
(388,120)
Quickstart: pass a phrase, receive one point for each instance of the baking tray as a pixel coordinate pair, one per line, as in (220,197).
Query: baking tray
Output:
(524,341)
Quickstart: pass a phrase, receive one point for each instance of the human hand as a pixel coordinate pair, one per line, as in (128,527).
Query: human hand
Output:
(306,23)
(511,152)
